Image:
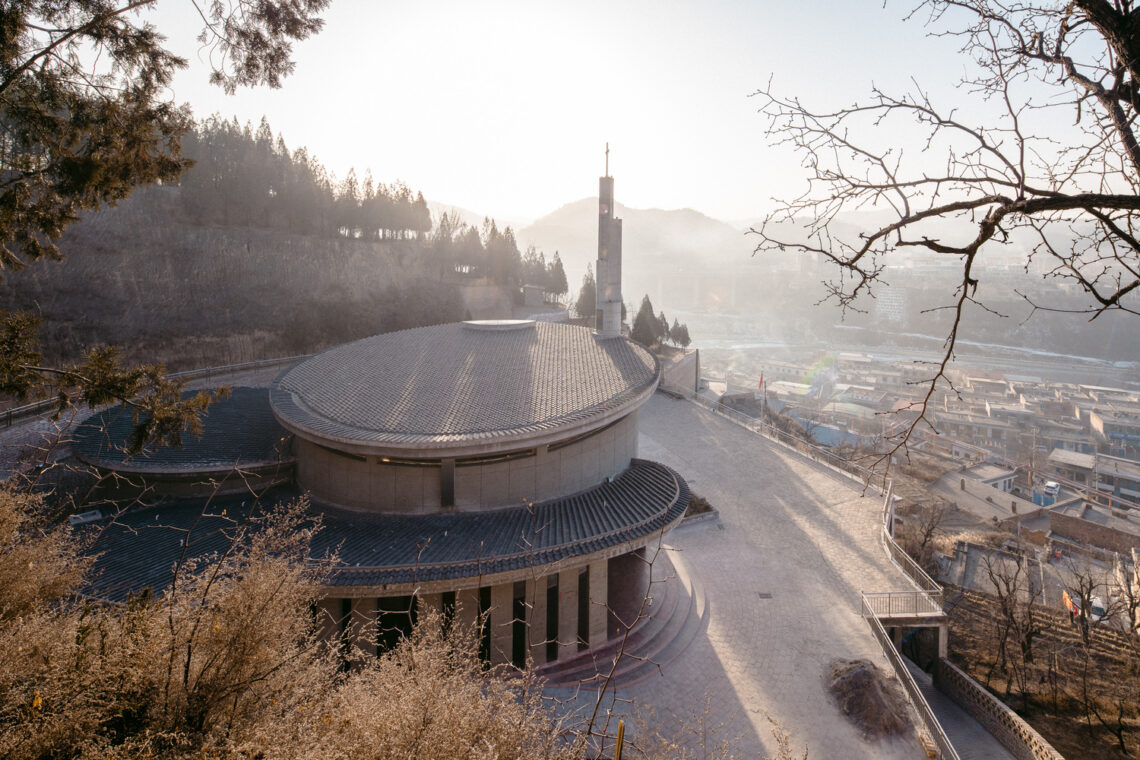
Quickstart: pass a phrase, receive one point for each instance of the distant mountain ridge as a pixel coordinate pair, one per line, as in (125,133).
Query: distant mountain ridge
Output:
(469,217)
(652,238)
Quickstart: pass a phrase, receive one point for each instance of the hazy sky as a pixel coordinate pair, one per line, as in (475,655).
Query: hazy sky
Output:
(505,107)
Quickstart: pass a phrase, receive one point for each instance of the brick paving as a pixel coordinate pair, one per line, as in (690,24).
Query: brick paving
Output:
(789,528)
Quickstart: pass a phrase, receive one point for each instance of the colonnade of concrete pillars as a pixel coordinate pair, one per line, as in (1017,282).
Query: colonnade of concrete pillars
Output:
(573,632)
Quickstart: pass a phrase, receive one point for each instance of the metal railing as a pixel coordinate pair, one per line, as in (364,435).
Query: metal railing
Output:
(899,556)
(896,604)
(938,737)
(229,369)
(16,413)
(874,480)
(912,568)
(926,601)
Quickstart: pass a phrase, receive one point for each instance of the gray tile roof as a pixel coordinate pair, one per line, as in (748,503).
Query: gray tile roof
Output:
(240,429)
(453,384)
(139,549)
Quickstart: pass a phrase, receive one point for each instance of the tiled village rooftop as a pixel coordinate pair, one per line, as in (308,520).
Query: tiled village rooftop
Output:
(461,382)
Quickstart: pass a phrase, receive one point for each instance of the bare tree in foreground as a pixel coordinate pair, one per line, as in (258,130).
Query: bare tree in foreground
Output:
(1058,162)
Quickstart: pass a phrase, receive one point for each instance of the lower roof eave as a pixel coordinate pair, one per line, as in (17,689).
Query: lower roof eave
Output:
(358,591)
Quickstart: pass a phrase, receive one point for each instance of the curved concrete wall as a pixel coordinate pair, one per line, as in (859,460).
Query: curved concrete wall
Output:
(367,483)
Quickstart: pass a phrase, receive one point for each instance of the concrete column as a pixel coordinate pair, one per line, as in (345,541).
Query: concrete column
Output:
(363,620)
(502,597)
(536,619)
(429,603)
(467,607)
(447,483)
(599,598)
(328,617)
(944,641)
(567,613)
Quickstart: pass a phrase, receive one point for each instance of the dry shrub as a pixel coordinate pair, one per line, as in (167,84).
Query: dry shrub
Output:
(783,739)
(871,700)
(431,697)
(37,563)
(229,661)
(924,468)
(698,505)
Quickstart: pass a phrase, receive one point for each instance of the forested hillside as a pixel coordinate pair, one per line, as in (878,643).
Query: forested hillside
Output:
(249,178)
(256,253)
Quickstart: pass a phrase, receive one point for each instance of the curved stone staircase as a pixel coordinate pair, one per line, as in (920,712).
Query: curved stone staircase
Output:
(679,612)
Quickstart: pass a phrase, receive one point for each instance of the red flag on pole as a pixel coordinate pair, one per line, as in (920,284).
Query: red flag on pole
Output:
(761,386)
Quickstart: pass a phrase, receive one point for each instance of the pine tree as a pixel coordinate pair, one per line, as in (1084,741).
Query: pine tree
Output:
(682,338)
(72,143)
(556,280)
(347,206)
(646,324)
(421,216)
(587,295)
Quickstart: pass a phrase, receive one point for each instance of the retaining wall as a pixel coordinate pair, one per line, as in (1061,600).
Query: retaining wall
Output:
(1089,532)
(681,373)
(1017,736)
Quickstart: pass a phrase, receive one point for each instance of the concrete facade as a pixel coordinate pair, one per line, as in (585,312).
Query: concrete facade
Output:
(371,484)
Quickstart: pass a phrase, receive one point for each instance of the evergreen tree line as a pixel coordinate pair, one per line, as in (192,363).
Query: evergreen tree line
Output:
(249,178)
(536,270)
(461,252)
(650,329)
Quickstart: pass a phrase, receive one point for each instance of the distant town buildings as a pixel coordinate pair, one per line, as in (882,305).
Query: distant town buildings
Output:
(1085,436)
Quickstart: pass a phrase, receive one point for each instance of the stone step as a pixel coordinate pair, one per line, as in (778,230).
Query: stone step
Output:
(665,598)
(693,624)
(649,648)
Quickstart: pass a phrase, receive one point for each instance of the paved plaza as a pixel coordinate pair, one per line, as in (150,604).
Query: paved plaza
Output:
(781,570)
(788,528)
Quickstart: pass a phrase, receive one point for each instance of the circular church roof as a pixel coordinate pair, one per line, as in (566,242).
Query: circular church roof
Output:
(237,430)
(463,388)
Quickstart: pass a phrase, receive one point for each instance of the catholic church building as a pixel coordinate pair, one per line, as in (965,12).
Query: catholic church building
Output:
(480,467)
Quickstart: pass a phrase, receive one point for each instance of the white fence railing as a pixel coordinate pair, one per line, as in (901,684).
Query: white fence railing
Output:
(926,601)
(942,746)
(901,604)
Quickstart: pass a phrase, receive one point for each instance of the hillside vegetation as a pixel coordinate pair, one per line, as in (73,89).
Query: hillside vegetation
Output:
(165,288)
(257,252)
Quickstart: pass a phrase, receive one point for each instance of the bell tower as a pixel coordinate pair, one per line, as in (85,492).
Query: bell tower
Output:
(607,320)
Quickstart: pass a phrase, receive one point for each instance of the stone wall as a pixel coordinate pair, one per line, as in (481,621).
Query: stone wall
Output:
(1094,534)
(1017,736)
